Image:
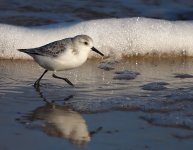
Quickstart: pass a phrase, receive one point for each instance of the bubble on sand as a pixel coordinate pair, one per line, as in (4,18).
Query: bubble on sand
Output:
(183,75)
(107,65)
(125,75)
(180,96)
(155,86)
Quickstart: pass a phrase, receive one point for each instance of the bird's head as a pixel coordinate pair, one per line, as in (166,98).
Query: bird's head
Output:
(85,43)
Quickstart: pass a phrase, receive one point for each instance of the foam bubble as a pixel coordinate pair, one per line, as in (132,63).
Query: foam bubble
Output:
(107,64)
(155,86)
(177,119)
(183,75)
(114,37)
(125,75)
(118,103)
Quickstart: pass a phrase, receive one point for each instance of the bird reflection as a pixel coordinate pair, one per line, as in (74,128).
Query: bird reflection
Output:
(60,121)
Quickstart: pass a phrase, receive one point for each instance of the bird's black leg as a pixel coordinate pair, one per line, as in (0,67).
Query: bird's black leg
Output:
(65,79)
(96,131)
(37,83)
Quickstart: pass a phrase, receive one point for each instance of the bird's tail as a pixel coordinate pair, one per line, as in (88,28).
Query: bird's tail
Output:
(29,51)
(22,50)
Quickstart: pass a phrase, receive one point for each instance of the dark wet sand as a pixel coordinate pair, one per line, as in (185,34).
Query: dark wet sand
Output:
(100,112)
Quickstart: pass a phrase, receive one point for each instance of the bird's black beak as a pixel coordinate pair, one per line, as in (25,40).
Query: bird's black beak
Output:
(97,51)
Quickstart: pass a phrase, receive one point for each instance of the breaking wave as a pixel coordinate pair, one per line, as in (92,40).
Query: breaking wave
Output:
(114,37)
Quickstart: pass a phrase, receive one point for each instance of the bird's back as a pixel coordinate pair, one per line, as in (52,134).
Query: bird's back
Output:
(53,49)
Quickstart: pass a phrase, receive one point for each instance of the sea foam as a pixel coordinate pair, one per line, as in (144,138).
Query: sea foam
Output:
(114,37)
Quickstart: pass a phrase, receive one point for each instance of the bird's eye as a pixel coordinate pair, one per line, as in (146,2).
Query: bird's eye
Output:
(86,43)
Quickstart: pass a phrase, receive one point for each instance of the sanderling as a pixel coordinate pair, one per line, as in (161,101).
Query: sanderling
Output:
(62,55)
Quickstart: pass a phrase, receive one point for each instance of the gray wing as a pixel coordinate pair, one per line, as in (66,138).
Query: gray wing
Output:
(52,49)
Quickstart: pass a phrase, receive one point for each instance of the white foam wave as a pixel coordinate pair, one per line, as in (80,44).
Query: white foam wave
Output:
(114,37)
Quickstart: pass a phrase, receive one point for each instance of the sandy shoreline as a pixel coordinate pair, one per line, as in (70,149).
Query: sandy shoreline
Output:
(102,104)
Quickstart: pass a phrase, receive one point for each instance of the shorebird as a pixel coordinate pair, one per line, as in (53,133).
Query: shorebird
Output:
(62,55)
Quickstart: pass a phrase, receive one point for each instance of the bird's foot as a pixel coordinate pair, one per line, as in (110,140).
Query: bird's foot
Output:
(37,85)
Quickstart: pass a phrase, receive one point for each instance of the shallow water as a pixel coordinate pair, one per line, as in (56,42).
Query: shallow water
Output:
(100,112)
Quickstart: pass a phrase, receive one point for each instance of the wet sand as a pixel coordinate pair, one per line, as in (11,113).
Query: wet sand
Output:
(101,112)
